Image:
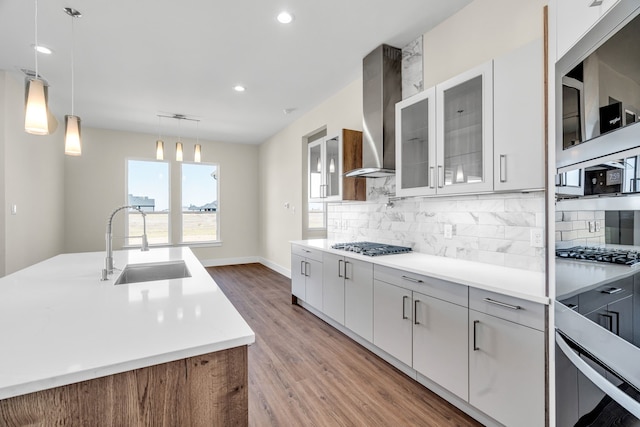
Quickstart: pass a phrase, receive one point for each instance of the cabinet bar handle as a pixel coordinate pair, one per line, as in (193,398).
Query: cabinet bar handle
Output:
(611,291)
(475,347)
(610,317)
(503,304)
(307,272)
(404,314)
(432,178)
(345,270)
(302,268)
(503,168)
(411,279)
(415,312)
(440,176)
(340,265)
(617,321)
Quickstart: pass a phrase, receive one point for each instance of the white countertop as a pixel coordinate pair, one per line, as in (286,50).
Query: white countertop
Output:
(574,277)
(59,324)
(527,285)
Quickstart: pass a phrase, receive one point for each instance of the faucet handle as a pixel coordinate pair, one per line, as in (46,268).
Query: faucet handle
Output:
(105,275)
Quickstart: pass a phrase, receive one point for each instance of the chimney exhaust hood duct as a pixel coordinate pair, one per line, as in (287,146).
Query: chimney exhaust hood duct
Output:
(381,90)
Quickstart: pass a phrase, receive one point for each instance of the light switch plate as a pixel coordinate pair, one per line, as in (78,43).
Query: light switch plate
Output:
(448,231)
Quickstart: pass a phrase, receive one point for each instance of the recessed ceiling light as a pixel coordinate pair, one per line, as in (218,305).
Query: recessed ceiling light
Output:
(42,49)
(239,88)
(285,17)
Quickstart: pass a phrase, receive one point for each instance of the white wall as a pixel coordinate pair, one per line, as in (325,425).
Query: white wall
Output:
(32,179)
(95,185)
(281,171)
(482,30)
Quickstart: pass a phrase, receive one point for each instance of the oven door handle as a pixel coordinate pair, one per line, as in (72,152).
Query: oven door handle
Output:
(601,382)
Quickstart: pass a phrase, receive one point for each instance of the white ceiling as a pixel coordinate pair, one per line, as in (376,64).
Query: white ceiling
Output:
(137,59)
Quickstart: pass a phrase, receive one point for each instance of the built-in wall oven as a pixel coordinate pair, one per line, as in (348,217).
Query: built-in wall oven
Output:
(597,374)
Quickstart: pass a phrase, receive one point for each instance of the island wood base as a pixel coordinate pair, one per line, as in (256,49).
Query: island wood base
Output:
(207,390)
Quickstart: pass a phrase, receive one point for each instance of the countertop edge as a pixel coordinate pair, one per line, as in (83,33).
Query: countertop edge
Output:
(387,261)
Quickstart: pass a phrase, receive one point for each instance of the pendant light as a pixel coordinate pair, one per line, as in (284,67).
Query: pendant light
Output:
(72,141)
(36,119)
(197,149)
(159,144)
(332,166)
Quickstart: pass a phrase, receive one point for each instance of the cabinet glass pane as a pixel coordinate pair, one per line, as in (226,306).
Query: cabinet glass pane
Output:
(315,171)
(415,145)
(332,167)
(463,133)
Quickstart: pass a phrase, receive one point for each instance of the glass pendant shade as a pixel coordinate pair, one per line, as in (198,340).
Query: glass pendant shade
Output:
(178,151)
(197,154)
(36,115)
(332,166)
(72,142)
(319,165)
(159,150)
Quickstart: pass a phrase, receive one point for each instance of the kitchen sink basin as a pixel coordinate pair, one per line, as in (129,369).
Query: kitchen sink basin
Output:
(134,273)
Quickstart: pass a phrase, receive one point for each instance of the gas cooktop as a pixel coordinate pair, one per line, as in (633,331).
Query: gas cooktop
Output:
(371,248)
(610,255)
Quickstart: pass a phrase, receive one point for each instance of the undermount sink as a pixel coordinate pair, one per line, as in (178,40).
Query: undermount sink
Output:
(134,273)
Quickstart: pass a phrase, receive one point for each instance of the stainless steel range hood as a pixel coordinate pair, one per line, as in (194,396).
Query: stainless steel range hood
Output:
(381,90)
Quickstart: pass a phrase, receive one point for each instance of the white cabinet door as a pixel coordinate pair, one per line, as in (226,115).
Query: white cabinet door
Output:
(440,343)
(574,18)
(416,145)
(358,299)
(313,283)
(506,370)
(518,131)
(333,267)
(464,132)
(392,319)
(298,276)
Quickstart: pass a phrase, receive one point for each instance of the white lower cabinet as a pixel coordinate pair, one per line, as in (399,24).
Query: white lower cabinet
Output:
(340,273)
(358,298)
(392,320)
(507,359)
(306,275)
(440,344)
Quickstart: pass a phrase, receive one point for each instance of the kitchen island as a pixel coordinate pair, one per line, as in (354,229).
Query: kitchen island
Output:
(77,350)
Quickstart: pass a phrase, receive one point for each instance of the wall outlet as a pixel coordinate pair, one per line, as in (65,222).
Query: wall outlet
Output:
(448,231)
(596,225)
(14,209)
(537,238)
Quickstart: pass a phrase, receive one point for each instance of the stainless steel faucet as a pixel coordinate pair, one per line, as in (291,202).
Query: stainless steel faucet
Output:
(108,262)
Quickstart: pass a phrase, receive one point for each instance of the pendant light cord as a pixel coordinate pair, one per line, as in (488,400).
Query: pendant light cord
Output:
(72,65)
(35,48)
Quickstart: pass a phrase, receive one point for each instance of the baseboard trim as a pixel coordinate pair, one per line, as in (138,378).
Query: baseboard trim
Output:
(217,262)
(275,267)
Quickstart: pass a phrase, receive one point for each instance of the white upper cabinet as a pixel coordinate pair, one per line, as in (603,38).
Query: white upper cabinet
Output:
(325,169)
(464,132)
(518,130)
(444,137)
(416,144)
(574,18)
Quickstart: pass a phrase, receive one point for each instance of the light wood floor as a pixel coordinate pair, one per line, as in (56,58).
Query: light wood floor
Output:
(303,372)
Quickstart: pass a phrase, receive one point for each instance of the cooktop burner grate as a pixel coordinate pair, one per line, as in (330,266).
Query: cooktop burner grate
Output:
(610,255)
(371,248)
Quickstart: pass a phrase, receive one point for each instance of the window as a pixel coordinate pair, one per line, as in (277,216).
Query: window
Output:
(199,202)
(148,189)
(317,216)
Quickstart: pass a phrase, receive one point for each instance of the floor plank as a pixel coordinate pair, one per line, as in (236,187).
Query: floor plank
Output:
(304,372)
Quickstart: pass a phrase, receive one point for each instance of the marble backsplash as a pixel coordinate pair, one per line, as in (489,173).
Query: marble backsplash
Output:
(580,228)
(487,228)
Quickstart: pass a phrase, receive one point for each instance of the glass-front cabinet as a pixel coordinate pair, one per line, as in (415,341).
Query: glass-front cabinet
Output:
(464,132)
(329,158)
(445,137)
(415,144)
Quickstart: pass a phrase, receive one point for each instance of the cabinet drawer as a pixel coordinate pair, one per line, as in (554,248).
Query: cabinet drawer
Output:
(603,295)
(441,289)
(516,310)
(303,251)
